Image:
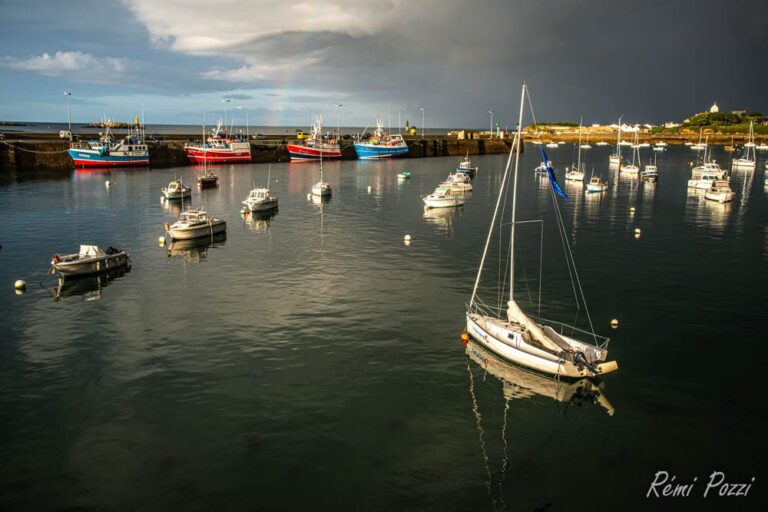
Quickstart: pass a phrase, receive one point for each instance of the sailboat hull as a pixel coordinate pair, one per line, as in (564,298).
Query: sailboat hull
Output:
(507,341)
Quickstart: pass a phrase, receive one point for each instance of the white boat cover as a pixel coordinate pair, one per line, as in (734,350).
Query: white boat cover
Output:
(515,314)
(90,251)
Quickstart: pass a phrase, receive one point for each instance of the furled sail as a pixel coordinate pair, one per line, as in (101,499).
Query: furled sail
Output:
(516,315)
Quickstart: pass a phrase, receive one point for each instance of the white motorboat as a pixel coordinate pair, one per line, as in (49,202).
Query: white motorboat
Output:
(595,185)
(762,147)
(542,168)
(601,143)
(703,175)
(720,191)
(585,146)
(516,336)
(748,157)
(442,197)
(650,171)
(661,144)
(260,199)
(457,182)
(553,145)
(176,190)
(89,260)
(659,148)
(195,224)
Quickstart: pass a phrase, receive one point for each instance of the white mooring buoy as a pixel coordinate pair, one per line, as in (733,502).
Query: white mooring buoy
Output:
(369,189)
(614,323)
(20,284)
(407,239)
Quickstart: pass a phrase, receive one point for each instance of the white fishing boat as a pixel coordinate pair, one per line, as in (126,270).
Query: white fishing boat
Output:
(466,167)
(748,157)
(321,188)
(260,199)
(89,260)
(720,191)
(195,224)
(633,167)
(522,338)
(442,197)
(176,190)
(596,185)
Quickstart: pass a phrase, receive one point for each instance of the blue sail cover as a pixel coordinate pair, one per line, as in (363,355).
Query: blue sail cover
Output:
(551,174)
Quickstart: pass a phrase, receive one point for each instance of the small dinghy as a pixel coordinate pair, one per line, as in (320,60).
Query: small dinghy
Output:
(90,260)
(195,224)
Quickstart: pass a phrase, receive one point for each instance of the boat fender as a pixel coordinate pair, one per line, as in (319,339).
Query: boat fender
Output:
(464,338)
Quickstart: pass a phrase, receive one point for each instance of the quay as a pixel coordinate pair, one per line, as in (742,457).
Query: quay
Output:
(30,151)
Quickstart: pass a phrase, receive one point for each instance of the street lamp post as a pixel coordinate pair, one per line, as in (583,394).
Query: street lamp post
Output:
(69,117)
(490,133)
(247,135)
(423,110)
(338,121)
(225,111)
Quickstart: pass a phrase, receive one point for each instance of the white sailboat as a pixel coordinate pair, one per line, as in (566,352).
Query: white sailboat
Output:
(747,160)
(321,188)
(519,337)
(632,168)
(576,173)
(615,158)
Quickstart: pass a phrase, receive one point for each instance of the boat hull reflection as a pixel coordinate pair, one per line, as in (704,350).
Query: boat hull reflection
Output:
(520,383)
(195,249)
(88,286)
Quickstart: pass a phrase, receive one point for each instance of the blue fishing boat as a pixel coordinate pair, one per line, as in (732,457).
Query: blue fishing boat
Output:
(106,152)
(381,145)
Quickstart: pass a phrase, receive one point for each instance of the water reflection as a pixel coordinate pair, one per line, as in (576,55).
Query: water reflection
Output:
(704,212)
(195,250)
(521,385)
(87,287)
(442,218)
(259,221)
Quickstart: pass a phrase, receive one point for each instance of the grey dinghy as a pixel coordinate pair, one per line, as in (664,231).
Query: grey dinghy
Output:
(90,260)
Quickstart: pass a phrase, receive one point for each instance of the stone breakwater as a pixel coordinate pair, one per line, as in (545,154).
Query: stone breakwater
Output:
(30,153)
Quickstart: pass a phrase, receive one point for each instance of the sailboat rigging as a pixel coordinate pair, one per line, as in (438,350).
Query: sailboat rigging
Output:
(522,338)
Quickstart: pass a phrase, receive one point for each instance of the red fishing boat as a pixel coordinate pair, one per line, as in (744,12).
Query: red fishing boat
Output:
(218,148)
(315,146)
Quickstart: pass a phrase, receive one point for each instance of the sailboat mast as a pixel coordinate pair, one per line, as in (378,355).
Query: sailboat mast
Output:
(514,195)
(578,163)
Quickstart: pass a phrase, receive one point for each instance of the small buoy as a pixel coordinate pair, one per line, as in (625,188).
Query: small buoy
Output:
(614,323)
(107,183)
(632,210)
(637,231)
(161,240)
(369,189)
(407,238)
(309,196)
(464,338)
(20,285)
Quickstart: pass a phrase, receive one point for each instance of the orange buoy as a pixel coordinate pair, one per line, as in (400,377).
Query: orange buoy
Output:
(464,338)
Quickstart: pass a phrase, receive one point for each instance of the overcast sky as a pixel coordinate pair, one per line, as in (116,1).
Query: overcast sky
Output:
(650,61)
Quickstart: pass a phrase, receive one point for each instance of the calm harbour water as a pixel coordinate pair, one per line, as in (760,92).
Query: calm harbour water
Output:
(312,361)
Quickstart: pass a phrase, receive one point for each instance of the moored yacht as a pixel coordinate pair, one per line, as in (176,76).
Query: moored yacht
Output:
(442,197)
(89,260)
(720,191)
(176,190)
(195,224)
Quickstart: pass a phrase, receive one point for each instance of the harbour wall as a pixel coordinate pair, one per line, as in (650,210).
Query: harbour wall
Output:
(31,153)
